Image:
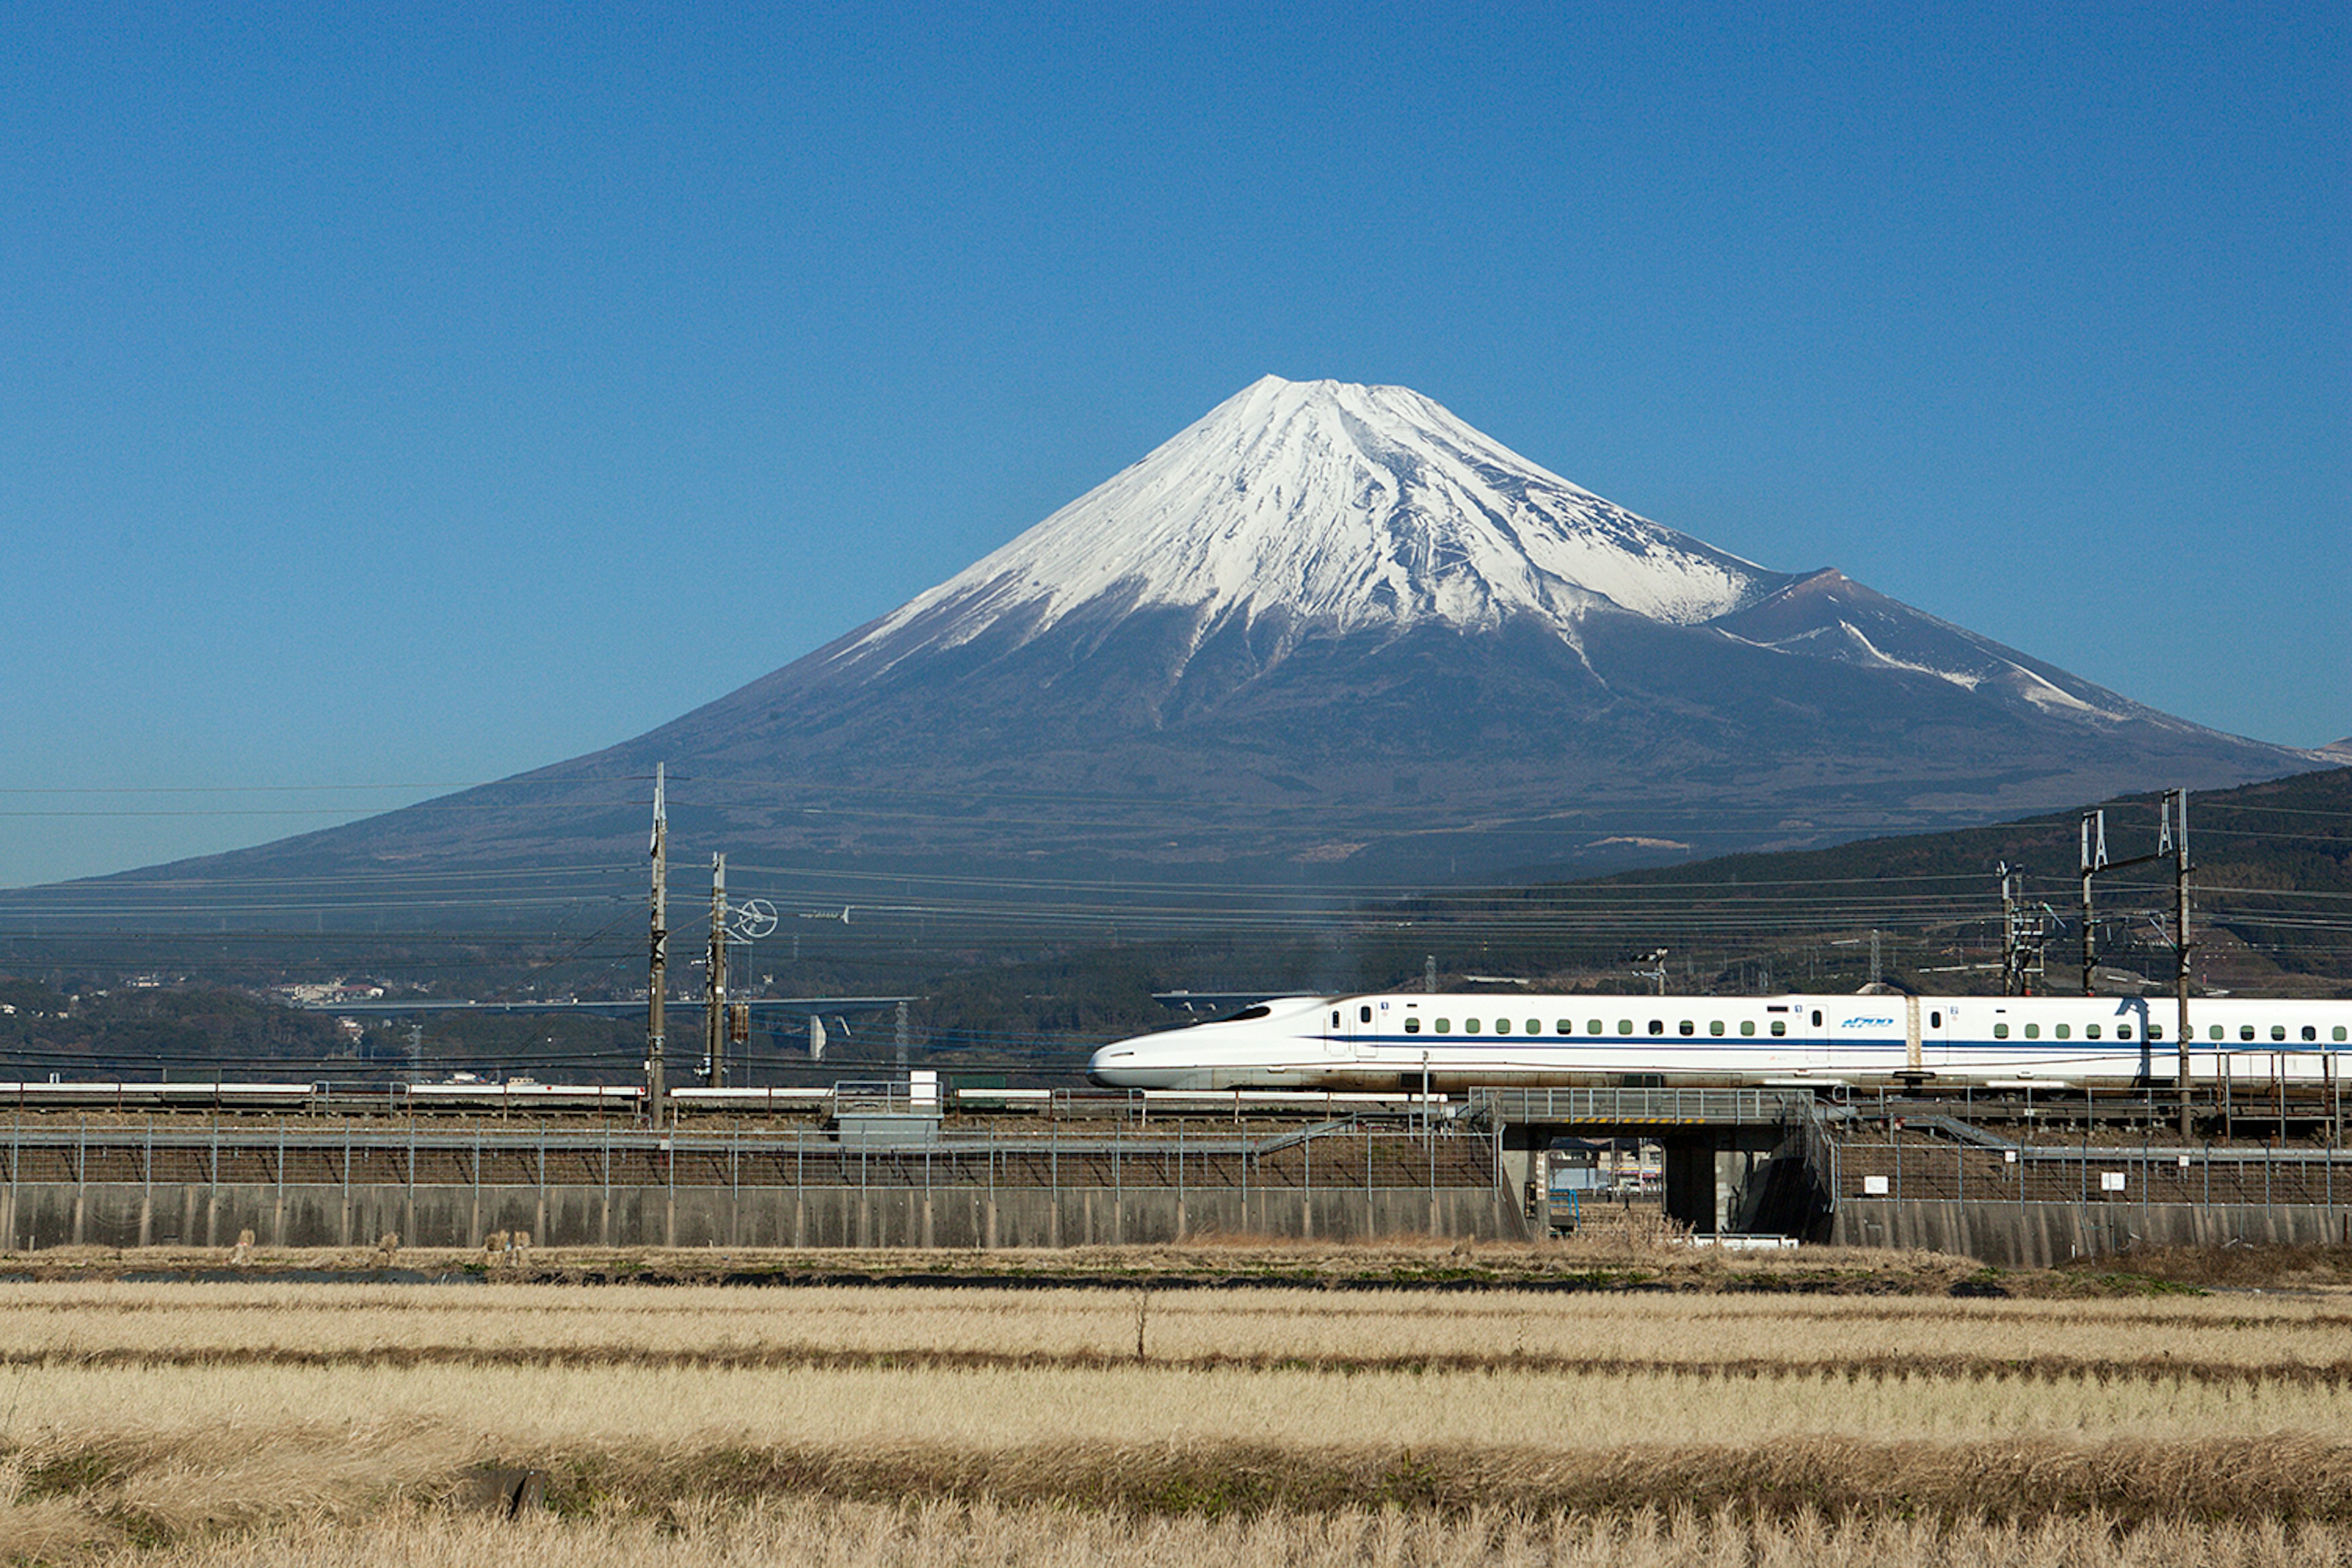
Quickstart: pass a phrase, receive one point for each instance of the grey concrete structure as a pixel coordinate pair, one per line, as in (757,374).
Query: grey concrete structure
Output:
(1720,1143)
(2042,1234)
(134,1187)
(52,1214)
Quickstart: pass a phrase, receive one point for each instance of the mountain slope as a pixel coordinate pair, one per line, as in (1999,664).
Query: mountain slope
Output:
(1331,633)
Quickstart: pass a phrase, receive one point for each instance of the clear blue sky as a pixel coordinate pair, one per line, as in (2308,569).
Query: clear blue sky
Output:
(394,400)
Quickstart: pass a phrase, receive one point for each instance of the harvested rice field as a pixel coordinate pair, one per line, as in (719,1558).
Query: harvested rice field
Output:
(261,1421)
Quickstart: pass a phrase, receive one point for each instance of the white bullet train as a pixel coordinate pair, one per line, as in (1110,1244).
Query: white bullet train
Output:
(1404,1039)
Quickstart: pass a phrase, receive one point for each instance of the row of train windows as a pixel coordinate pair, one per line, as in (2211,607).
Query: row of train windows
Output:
(1595,1028)
(2066,1031)
(1592,1025)
(2310,1032)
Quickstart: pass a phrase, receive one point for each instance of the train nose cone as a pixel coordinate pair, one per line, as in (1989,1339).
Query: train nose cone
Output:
(1115,1066)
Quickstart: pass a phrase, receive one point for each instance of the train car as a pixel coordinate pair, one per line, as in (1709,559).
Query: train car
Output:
(98,1094)
(521,1095)
(1441,1043)
(705,1101)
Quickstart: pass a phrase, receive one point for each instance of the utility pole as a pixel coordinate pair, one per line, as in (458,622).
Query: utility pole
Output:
(657,959)
(1429,975)
(1656,973)
(2023,935)
(2010,964)
(2176,828)
(2172,844)
(2094,860)
(714,1005)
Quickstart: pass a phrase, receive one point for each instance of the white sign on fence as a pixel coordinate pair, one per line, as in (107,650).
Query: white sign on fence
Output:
(1873,1187)
(2111,1180)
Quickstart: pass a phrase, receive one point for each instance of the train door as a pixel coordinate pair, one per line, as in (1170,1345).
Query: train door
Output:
(1338,1033)
(1365,1027)
(1808,1022)
(1933,1021)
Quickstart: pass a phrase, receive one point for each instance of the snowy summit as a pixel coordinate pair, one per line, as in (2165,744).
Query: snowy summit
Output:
(1350,508)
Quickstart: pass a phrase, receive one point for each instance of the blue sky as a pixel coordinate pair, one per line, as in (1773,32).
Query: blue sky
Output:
(395,401)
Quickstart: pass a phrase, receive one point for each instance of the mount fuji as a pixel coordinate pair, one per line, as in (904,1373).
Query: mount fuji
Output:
(1331,633)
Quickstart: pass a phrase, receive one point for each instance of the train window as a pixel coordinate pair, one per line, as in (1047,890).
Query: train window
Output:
(1445,1025)
(2123,1031)
(1935,1020)
(2245,1031)
(1567,1026)
(2000,1031)
(2033,1031)
(1658,1025)
(1592,1025)
(2090,1031)
(1411,1024)
(2309,1033)
(1746,1026)
(2065,1031)
(2156,1031)
(1779,1025)
(1469,1026)
(1364,1015)
(2338,1033)
(1817,1017)
(1624,1025)
(1715,1026)
(1688,1028)
(1502,1026)
(2278,1031)
(2217,1033)
(1335,1018)
(1535,1027)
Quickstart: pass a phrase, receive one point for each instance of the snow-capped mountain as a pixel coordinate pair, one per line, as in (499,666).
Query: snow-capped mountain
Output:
(1332,633)
(1344,507)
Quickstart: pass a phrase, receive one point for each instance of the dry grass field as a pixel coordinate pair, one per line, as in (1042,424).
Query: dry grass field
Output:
(280,1422)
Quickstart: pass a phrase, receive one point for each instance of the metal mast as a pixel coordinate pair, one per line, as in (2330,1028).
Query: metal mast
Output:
(2013,962)
(714,1010)
(657,964)
(2176,804)
(2094,860)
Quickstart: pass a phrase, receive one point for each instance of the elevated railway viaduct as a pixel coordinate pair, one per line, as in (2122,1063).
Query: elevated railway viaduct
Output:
(2026,1179)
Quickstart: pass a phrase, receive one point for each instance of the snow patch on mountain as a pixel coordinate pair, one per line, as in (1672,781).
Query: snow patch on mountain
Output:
(1349,509)
(1873,654)
(2050,697)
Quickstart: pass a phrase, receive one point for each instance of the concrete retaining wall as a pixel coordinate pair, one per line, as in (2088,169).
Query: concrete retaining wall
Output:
(50,1213)
(2035,1236)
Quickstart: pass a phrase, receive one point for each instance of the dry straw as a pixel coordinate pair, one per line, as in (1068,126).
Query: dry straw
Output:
(697,1532)
(1275,1425)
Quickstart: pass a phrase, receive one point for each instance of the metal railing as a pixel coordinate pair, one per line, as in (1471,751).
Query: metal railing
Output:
(1644,1107)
